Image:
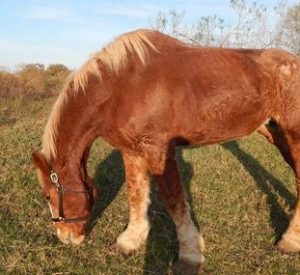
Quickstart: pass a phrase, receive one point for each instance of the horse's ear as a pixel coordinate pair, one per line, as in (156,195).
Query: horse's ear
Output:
(40,162)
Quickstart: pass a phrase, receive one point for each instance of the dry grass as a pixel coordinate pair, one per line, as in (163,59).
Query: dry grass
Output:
(241,195)
(32,81)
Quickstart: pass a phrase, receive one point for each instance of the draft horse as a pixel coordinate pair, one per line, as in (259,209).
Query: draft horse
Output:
(146,93)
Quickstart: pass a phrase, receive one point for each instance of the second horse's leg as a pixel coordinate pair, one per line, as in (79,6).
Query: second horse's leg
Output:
(172,193)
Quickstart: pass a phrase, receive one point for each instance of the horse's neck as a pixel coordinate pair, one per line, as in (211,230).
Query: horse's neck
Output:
(76,133)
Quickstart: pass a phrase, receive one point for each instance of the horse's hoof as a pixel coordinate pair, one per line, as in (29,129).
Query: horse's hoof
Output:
(288,246)
(181,267)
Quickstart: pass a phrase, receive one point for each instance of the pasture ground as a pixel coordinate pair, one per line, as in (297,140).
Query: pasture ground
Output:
(242,195)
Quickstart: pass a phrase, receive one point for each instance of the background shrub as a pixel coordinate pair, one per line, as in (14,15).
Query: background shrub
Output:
(54,78)
(32,81)
(10,86)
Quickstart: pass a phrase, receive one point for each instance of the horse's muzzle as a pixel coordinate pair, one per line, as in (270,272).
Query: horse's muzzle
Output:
(69,237)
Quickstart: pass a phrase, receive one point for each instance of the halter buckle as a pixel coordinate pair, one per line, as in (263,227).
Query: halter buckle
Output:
(54,177)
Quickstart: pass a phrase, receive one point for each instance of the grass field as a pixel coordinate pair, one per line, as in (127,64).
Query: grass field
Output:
(241,194)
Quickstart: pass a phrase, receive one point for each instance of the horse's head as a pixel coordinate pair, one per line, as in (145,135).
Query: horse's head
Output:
(70,196)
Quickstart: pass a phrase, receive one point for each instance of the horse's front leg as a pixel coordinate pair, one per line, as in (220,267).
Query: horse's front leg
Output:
(138,185)
(172,193)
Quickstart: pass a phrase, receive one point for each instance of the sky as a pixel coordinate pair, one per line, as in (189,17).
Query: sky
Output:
(68,31)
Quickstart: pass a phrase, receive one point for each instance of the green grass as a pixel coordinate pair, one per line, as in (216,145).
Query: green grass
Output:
(242,195)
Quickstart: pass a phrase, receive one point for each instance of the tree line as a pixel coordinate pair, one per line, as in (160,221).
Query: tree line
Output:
(255,27)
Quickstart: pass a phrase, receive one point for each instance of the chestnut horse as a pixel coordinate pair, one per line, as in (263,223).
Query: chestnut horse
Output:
(146,93)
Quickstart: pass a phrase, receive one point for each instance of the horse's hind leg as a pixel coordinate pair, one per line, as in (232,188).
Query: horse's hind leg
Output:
(138,182)
(172,193)
(266,131)
(290,241)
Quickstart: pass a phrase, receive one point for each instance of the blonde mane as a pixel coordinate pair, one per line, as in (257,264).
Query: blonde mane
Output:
(114,57)
(51,130)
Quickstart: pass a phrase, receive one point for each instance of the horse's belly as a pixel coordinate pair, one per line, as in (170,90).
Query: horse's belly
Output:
(215,125)
(221,133)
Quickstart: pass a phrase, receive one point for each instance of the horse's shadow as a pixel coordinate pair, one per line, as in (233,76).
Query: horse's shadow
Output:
(269,185)
(108,185)
(162,246)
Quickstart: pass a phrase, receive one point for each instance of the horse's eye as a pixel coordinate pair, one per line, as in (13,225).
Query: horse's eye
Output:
(48,198)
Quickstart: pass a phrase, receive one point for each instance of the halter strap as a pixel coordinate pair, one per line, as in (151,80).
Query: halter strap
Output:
(61,190)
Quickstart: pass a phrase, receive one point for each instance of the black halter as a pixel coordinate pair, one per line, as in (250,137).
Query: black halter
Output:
(61,190)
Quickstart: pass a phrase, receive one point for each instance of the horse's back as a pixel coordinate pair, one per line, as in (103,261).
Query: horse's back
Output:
(202,94)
